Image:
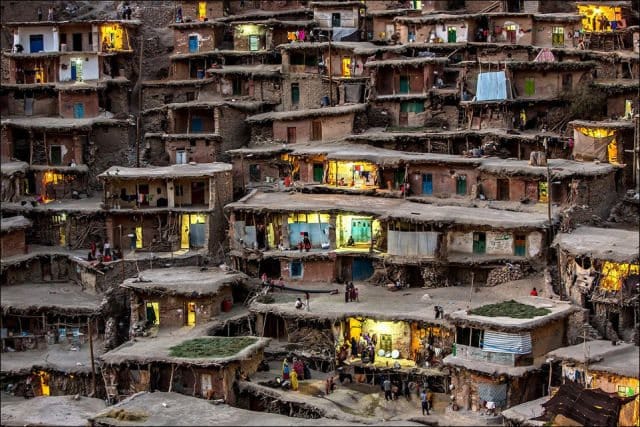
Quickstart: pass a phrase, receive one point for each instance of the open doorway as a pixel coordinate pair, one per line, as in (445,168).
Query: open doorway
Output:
(153,313)
(191,313)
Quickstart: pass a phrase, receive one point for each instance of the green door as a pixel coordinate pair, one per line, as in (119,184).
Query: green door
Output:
(404,84)
(398,178)
(318,172)
(461,186)
(361,230)
(529,86)
(451,35)
(479,243)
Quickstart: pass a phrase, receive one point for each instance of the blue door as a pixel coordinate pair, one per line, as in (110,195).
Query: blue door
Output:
(196,235)
(362,269)
(427,183)
(36,43)
(74,72)
(193,44)
(196,124)
(78,110)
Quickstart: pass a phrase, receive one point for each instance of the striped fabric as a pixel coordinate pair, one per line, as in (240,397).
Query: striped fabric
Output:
(503,342)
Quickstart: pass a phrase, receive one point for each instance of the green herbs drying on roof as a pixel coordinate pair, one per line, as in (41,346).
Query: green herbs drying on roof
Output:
(213,347)
(510,308)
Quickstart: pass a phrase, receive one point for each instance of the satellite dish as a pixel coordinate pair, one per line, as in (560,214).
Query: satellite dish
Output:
(395,354)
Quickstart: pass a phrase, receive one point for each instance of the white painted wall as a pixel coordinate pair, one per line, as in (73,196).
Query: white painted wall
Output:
(90,68)
(47,31)
(461,33)
(348,17)
(534,243)
(499,243)
(459,242)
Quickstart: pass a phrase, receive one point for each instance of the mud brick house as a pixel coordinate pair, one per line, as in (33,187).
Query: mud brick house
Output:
(210,373)
(622,96)
(317,124)
(608,141)
(599,365)
(557,29)
(255,35)
(605,24)
(497,356)
(403,86)
(380,25)
(13,235)
(599,271)
(193,43)
(252,82)
(436,28)
(198,131)
(181,296)
(199,11)
(255,167)
(343,19)
(547,80)
(13,184)
(394,230)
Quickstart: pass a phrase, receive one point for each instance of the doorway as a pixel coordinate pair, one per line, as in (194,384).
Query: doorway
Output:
(361,269)
(503,189)
(56,155)
(451,35)
(193,229)
(254,43)
(404,84)
(427,183)
(318,172)
(139,237)
(196,124)
(153,313)
(36,43)
(78,110)
(193,44)
(346,67)
(520,248)
(191,314)
(316,130)
(511,33)
(291,135)
(76,41)
(461,185)
(479,243)
(76,69)
(206,384)
(361,230)
(197,193)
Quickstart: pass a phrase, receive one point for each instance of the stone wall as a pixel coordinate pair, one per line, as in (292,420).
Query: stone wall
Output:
(12,243)
(312,270)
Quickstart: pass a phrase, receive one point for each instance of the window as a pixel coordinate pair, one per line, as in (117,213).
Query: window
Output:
(557,37)
(335,20)
(237,86)
(412,107)
(190,96)
(291,135)
(181,157)
(295,93)
(254,173)
(461,185)
(179,190)
(503,189)
(469,336)
(295,269)
(316,130)
(529,86)
(254,43)
(56,155)
(567,82)
(511,33)
(63,38)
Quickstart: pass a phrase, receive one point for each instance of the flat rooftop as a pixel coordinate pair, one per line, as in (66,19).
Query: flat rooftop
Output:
(64,411)
(557,310)
(55,357)
(386,209)
(174,409)
(622,359)
(412,304)
(158,349)
(60,123)
(67,297)
(10,168)
(14,223)
(306,113)
(601,243)
(163,172)
(184,280)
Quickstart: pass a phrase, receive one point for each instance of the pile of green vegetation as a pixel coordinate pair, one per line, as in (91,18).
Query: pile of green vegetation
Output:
(510,309)
(214,347)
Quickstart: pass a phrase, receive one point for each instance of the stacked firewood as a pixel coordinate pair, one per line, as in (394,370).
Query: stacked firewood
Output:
(504,274)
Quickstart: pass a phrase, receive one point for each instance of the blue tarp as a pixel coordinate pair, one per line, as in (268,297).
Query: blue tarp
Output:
(491,86)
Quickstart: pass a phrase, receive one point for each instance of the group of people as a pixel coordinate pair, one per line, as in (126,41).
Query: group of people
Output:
(124,11)
(393,390)
(294,372)
(351,293)
(305,243)
(103,253)
(49,14)
(364,346)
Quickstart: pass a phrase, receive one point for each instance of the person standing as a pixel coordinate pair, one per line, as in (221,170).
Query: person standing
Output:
(39,14)
(534,292)
(386,385)
(425,402)
(354,347)
(50,14)
(294,380)
(106,249)
(93,249)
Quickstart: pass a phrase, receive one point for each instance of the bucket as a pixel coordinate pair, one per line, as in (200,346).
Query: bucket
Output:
(227,304)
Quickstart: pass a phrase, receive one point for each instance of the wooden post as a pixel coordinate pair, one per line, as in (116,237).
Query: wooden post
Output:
(173,368)
(93,366)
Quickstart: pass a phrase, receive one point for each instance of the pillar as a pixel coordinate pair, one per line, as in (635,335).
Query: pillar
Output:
(332,231)
(171,194)
(285,229)
(56,41)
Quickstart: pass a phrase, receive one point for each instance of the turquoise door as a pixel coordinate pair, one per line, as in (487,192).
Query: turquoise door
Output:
(404,84)
(479,243)
(361,230)
(361,269)
(427,183)
(78,110)
(193,44)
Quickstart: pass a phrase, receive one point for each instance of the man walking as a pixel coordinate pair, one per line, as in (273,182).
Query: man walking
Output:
(424,401)
(387,389)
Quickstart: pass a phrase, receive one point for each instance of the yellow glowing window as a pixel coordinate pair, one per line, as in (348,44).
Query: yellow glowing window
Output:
(202,10)
(112,37)
(53,178)
(613,274)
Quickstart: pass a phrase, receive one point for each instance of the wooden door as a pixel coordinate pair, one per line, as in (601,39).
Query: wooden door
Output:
(503,189)
(479,243)
(291,135)
(316,130)
(520,248)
